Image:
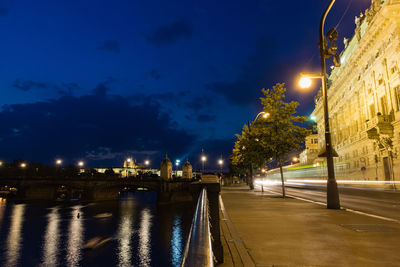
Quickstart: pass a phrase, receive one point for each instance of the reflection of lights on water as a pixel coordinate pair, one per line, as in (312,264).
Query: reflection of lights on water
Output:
(51,239)
(144,238)
(14,236)
(125,233)
(3,202)
(176,241)
(75,237)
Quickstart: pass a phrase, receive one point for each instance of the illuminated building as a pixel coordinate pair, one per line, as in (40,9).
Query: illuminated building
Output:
(364,98)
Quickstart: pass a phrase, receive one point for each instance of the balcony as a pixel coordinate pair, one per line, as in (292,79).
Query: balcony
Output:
(378,125)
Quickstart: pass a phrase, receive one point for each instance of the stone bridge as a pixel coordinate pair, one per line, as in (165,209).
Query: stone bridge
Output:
(105,188)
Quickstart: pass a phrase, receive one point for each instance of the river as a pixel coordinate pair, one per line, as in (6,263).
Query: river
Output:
(133,231)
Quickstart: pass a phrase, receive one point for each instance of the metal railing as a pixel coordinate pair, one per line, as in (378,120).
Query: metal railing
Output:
(198,250)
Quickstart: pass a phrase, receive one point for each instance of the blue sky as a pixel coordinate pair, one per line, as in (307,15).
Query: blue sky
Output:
(102,80)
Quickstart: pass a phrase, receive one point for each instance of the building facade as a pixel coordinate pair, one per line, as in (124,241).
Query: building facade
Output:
(310,153)
(166,169)
(364,98)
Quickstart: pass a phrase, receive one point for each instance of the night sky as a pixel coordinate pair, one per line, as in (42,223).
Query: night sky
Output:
(102,80)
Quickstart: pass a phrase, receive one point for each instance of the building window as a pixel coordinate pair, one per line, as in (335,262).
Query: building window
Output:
(397,92)
(372,110)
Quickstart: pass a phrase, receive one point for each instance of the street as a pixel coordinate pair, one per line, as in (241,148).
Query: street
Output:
(385,203)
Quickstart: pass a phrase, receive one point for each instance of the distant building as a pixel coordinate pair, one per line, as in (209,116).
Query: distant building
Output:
(364,98)
(310,153)
(166,169)
(187,171)
(130,163)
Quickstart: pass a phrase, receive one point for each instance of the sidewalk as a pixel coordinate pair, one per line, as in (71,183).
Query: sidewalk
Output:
(262,229)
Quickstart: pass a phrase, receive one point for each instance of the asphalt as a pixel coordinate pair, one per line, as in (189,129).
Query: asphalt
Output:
(263,229)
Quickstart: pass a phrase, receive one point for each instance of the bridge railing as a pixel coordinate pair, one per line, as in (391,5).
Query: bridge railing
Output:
(198,250)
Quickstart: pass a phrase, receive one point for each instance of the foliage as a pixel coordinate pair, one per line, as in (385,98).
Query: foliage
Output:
(274,136)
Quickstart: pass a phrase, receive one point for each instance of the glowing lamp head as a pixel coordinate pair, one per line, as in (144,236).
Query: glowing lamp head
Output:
(266,115)
(1,163)
(220,162)
(305,82)
(128,159)
(23,165)
(313,118)
(58,161)
(203,158)
(295,159)
(146,162)
(81,163)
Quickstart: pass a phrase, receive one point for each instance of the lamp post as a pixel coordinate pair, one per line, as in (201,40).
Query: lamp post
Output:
(332,197)
(203,161)
(264,115)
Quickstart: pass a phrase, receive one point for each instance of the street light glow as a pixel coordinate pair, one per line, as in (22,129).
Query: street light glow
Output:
(203,158)
(295,159)
(58,161)
(1,163)
(266,115)
(146,162)
(313,118)
(23,165)
(220,162)
(81,163)
(305,82)
(128,159)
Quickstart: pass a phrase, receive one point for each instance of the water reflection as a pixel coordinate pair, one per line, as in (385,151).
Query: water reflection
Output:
(14,236)
(125,232)
(3,202)
(144,238)
(176,241)
(51,239)
(75,237)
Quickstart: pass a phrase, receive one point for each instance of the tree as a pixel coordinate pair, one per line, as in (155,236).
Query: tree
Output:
(248,152)
(280,132)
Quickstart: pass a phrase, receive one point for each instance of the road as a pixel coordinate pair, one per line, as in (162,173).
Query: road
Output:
(371,201)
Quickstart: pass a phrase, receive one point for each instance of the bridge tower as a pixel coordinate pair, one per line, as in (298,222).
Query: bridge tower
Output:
(187,171)
(166,169)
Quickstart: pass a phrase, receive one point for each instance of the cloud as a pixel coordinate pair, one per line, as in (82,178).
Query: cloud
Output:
(206,118)
(100,126)
(154,74)
(166,35)
(109,46)
(198,103)
(245,89)
(65,88)
(29,84)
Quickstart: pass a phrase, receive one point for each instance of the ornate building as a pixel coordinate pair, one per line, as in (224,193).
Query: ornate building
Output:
(310,153)
(187,171)
(166,169)
(364,98)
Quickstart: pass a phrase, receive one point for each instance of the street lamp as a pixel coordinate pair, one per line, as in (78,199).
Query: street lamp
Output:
(203,161)
(1,163)
(147,162)
(332,197)
(220,162)
(23,165)
(58,162)
(264,115)
(81,163)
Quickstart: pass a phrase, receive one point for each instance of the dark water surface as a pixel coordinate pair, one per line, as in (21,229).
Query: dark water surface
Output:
(141,232)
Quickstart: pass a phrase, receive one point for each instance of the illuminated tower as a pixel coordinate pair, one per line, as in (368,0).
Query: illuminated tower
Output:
(187,170)
(166,169)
